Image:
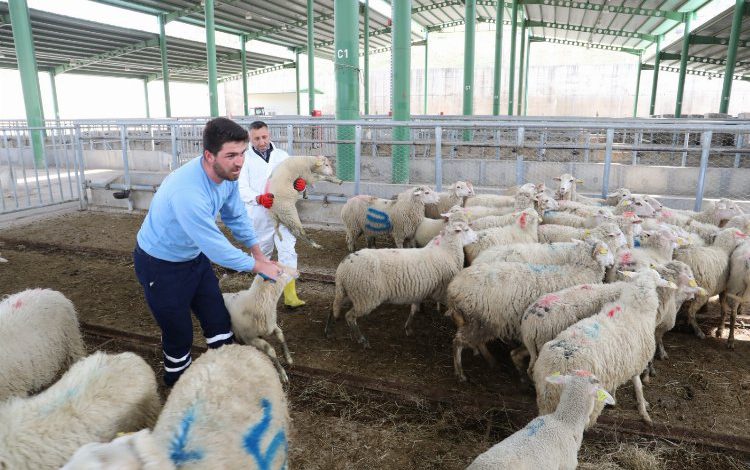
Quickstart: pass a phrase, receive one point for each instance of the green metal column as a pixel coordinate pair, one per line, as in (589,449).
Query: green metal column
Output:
(311,55)
(526,77)
(426,52)
(657,62)
(498,59)
(637,87)
(346,69)
(734,37)
(296,77)
(164,64)
(512,71)
(401,74)
(366,77)
(521,69)
(145,94)
(32,99)
(470,17)
(683,66)
(213,92)
(55,106)
(243,58)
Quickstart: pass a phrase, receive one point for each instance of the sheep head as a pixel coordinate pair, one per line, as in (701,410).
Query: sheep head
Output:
(322,166)
(425,194)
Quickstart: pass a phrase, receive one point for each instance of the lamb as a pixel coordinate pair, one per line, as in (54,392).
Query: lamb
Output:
(737,290)
(637,204)
(680,234)
(227,411)
(707,232)
(374,216)
(655,248)
(655,203)
(615,198)
(543,203)
(741,222)
(281,185)
(608,232)
(482,312)
(717,213)
(630,225)
(253,315)
(430,228)
(710,265)
(520,198)
(540,253)
(598,216)
(553,440)
(616,345)
(523,231)
(40,338)
(400,276)
(99,396)
(455,196)
(581,209)
(567,190)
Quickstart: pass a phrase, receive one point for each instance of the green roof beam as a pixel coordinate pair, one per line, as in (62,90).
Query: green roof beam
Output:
(586,29)
(252,73)
(695,39)
(588,45)
(78,63)
(376,32)
(652,12)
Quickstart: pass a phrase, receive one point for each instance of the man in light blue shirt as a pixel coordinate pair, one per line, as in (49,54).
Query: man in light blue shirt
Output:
(179,236)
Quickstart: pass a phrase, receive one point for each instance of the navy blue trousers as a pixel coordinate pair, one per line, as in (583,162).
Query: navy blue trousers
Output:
(172,290)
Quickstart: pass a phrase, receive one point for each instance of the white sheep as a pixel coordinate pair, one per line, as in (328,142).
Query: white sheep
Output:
(227,411)
(456,195)
(610,233)
(683,237)
(620,194)
(542,203)
(630,225)
(253,315)
(399,276)
(598,216)
(521,196)
(494,221)
(483,312)
(524,230)
(655,203)
(567,190)
(707,232)
(540,253)
(737,290)
(281,185)
(741,222)
(616,345)
(581,209)
(654,248)
(553,440)
(374,216)
(430,228)
(637,204)
(710,265)
(99,396)
(716,213)
(40,338)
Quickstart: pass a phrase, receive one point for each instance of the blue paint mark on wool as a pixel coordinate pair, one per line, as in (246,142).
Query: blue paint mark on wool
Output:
(377,221)
(534,426)
(177,447)
(251,440)
(637,242)
(592,331)
(543,268)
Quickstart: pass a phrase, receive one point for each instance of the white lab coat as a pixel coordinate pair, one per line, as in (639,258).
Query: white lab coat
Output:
(253,182)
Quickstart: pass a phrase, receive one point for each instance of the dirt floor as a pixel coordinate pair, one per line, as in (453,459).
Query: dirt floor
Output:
(704,386)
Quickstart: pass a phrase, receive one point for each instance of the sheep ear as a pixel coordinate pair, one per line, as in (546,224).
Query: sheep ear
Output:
(446,215)
(628,274)
(579,181)
(603,395)
(557,178)
(557,378)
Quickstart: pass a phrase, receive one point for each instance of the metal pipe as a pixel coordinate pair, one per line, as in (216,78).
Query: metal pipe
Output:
(637,88)
(296,79)
(705,149)
(213,92)
(55,106)
(357,158)
(657,61)
(683,66)
(243,60)
(526,78)
(290,139)
(521,68)
(607,162)
(401,79)
(426,51)
(145,95)
(125,163)
(438,158)
(366,77)
(164,64)
(734,36)
(500,10)
(79,171)
(470,17)
(519,156)
(311,51)
(512,71)
(346,67)
(175,150)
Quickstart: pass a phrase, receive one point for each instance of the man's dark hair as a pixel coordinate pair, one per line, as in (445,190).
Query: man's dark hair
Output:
(221,130)
(258,125)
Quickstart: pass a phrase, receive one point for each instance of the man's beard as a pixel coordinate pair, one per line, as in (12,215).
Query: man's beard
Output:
(223,174)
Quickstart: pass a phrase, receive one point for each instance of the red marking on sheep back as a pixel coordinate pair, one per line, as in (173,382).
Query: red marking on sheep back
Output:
(739,234)
(612,312)
(626,258)
(582,373)
(522,220)
(629,214)
(18,303)
(666,213)
(586,287)
(548,300)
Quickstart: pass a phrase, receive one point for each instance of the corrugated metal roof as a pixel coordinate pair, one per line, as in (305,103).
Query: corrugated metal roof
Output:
(73,45)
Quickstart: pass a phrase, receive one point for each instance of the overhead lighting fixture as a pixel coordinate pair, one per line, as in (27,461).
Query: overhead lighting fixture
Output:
(248,16)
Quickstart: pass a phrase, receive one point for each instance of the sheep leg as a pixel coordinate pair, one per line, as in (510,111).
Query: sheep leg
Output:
(407,327)
(370,242)
(335,312)
(458,347)
(290,219)
(661,352)
(277,231)
(263,345)
(351,320)
(725,307)
(532,361)
(330,179)
(351,238)
(692,310)
(736,305)
(280,337)
(518,357)
(642,403)
(482,347)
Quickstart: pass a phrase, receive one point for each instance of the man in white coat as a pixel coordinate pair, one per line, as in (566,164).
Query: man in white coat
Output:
(260,160)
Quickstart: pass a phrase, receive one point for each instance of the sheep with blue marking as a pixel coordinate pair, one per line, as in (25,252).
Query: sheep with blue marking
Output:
(369,278)
(40,337)
(552,440)
(374,216)
(616,345)
(253,315)
(227,411)
(456,195)
(97,398)
(483,312)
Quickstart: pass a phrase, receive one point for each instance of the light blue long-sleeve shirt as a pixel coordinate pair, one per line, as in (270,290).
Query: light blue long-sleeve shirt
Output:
(181,222)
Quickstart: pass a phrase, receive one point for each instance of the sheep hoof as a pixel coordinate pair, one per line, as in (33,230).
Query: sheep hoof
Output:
(284,378)
(719,332)
(700,334)
(316,246)
(730,345)
(365,344)
(461,377)
(408,331)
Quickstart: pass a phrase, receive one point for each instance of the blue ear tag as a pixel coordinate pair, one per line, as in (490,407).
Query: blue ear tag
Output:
(266,278)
